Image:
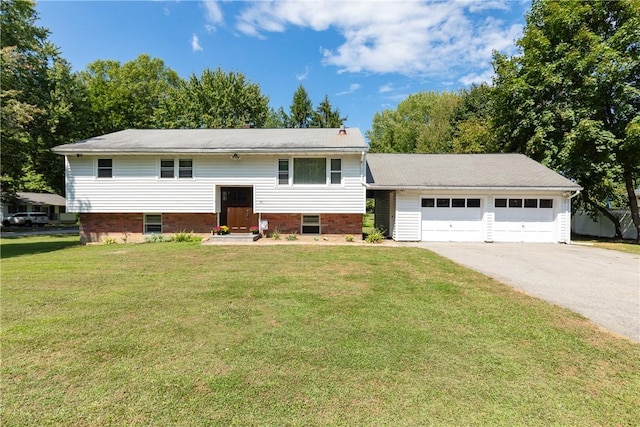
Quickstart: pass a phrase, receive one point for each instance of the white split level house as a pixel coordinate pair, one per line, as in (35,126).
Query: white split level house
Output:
(307,181)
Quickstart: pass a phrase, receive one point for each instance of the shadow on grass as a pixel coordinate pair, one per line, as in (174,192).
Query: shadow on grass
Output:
(17,246)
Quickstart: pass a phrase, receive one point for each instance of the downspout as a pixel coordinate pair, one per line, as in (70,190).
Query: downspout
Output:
(568,242)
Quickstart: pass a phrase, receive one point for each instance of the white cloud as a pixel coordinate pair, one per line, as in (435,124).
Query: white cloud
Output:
(195,43)
(385,89)
(214,13)
(352,88)
(413,38)
(304,75)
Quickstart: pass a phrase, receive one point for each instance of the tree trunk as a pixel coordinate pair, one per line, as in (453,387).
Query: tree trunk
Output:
(633,201)
(606,213)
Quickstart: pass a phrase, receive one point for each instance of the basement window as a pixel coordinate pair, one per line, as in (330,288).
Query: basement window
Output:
(310,224)
(152,223)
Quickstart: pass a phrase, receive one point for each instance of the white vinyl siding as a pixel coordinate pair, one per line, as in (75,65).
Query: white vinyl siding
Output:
(136,187)
(408,216)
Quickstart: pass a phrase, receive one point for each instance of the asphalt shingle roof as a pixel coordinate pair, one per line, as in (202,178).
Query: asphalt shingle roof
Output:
(41,199)
(461,171)
(218,141)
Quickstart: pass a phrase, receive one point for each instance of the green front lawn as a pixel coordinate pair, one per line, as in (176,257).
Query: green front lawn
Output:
(184,334)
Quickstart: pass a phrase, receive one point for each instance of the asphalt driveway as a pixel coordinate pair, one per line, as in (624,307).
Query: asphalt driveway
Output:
(602,285)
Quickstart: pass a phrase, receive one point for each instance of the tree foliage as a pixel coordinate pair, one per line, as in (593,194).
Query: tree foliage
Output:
(301,110)
(472,122)
(126,95)
(40,102)
(420,124)
(216,99)
(325,116)
(571,99)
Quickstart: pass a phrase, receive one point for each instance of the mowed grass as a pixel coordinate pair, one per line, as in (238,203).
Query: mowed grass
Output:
(183,334)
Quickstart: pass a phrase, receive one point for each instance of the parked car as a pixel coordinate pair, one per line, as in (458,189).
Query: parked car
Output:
(26,219)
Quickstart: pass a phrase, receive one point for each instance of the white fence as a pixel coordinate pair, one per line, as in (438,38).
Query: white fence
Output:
(582,223)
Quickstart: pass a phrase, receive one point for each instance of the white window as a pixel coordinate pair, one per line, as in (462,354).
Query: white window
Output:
(153,223)
(168,168)
(310,224)
(185,168)
(310,170)
(283,171)
(336,171)
(105,168)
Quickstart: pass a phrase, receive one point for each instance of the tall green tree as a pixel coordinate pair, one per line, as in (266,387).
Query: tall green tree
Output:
(472,122)
(301,110)
(40,102)
(571,98)
(216,99)
(127,95)
(420,124)
(325,116)
(277,119)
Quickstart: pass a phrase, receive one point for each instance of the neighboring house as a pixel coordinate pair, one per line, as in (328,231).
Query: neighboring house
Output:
(165,181)
(600,226)
(311,181)
(52,204)
(469,197)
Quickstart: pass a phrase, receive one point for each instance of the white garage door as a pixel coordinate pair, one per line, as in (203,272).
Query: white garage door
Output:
(524,220)
(452,219)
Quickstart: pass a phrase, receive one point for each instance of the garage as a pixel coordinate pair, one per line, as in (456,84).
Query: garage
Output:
(452,219)
(469,198)
(524,219)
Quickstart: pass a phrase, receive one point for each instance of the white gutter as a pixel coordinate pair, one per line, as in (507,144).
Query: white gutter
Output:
(574,194)
(459,188)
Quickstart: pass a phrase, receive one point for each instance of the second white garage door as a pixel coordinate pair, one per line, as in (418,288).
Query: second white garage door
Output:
(524,220)
(452,219)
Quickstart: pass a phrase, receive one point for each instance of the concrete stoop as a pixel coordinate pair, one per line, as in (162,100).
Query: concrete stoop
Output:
(234,238)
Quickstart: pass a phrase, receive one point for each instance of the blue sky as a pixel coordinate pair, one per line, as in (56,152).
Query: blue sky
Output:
(365,55)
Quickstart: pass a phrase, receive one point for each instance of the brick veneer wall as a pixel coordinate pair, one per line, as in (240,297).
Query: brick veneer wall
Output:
(329,223)
(96,227)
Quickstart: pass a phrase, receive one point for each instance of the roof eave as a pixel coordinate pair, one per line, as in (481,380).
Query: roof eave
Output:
(470,188)
(252,151)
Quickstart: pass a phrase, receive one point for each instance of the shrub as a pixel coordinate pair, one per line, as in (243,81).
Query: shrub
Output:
(155,238)
(276,234)
(184,236)
(109,241)
(348,238)
(376,236)
(293,236)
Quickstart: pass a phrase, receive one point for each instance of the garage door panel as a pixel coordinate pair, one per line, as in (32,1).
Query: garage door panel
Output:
(447,223)
(519,223)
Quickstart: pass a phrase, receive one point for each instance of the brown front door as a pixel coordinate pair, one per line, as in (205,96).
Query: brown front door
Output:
(236,209)
(240,219)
